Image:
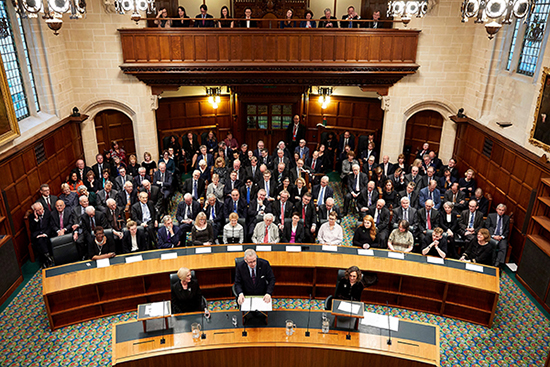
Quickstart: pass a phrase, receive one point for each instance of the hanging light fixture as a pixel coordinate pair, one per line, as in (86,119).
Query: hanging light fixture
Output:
(52,10)
(495,13)
(324,96)
(214,96)
(134,6)
(407,9)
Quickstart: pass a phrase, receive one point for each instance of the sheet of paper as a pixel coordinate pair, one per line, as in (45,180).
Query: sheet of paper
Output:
(478,268)
(235,248)
(203,250)
(330,248)
(293,248)
(263,248)
(396,255)
(435,260)
(380,321)
(169,255)
(256,304)
(155,310)
(362,251)
(134,259)
(345,306)
(103,263)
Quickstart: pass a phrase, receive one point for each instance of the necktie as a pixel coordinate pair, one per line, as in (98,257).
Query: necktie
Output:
(213,214)
(428,220)
(48,201)
(92,222)
(454,198)
(162,177)
(321,196)
(283,213)
(61,220)
(253,171)
(313,164)
(499,223)
(430,195)
(267,188)
(471,224)
(234,207)
(168,233)
(304,215)
(294,133)
(248,195)
(356,183)
(370,199)
(253,277)
(232,185)
(100,168)
(349,24)
(266,237)
(106,196)
(203,21)
(188,211)
(377,217)
(195,193)
(406,215)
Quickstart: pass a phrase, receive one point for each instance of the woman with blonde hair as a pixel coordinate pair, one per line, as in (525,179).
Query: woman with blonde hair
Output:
(202,233)
(186,294)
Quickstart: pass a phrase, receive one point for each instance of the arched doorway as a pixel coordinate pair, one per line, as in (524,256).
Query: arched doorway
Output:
(423,126)
(114,125)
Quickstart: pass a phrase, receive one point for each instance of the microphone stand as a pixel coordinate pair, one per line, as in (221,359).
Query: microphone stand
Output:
(162,340)
(308,316)
(203,335)
(348,337)
(389,329)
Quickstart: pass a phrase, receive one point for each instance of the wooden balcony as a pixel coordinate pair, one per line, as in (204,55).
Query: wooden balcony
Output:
(363,57)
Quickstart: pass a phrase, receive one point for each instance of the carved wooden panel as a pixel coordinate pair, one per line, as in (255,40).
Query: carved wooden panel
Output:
(509,175)
(21,176)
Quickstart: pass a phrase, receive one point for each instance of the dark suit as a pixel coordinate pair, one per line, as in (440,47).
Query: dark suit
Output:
(267,161)
(116,219)
(206,23)
(272,187)
(244,191)
(120,181)
(363,199)
(289,208)
(253,24)
(464,223)
(287,233)
(182,208)
(482,205)
(253,212)
(257,177)
(417,180)
(444,185)
(460,196)
(329,193)
(309,219)
(454,172)
(55,221)
(139,179)
(168,242)
(322,214)
(352,187)
(413,198)
(293,139)
(141,239)
(102,198)
(315,168)
(424,195)
(53,199)
(219,220)
(382,223)
(99,172)
(81,176)
(137,213)
(265,280)
(229,207)
(421,221)
(121,199)
(188,187)
(99,219)
(504,231)
(323,23)
(344,24)
(165,185)
(39,227)
(398,216)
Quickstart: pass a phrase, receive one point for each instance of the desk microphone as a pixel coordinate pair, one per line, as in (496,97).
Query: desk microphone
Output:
(348,337)
(389,329)
(162,340)
(203,335)
(308,316)
(245,334)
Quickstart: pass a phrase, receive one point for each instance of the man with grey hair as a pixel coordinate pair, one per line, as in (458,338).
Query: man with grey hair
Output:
(356,182)
(142,175)
(266,231)
(186,213)
(115,215)
(194,185)
(381,216)
(405,212)
(168,235)
(427,218)
(254,277)
(322,191)
(214,214)
(41,232)
(498,225)
(106,193)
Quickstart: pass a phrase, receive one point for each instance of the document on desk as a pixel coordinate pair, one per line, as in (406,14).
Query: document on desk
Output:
(346,306)
(133,259)
(235,248)
(380,321)
(331,248)
(154,309)
(263,248)
(169,255)
(362,251)
(103,263)
(473,267)
(396,255)
(256,304)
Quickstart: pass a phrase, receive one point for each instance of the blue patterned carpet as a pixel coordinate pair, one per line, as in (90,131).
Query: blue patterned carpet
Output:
(520,335)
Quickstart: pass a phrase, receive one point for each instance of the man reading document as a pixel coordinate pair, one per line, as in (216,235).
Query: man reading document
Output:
(254,277)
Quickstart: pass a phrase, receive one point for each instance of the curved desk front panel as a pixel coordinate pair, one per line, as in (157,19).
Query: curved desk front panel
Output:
(77,292)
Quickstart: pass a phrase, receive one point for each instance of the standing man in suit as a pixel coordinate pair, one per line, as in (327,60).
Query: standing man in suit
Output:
(471,221)
(351,15)
(498,225)
(205,18)
(46,199)
(322,191)
(295,133)
(357,182)
(254,277)
(41,233)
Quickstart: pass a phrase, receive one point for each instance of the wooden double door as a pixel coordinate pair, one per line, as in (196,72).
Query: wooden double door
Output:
(268,122)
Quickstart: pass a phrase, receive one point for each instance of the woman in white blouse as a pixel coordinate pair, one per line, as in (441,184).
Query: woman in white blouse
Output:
(331,233)
(233,232)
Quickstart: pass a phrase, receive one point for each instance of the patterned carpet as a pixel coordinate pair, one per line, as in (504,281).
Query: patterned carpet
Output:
(520,335)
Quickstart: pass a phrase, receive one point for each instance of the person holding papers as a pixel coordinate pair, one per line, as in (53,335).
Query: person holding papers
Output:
(351,285)
(254,277)
(479,251)
(186,294)
(331,233)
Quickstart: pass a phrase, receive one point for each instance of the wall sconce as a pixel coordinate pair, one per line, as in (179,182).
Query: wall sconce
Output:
(214,96)
(324,96)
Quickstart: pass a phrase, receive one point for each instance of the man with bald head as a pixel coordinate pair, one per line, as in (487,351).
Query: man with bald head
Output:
(81,170)
(381,216)
(427,218)
(41,232)
(60,221)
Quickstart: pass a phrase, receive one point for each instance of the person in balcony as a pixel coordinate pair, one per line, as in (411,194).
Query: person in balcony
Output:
(308,23)
(351,15)
(247,22)
(226,23)
(325,22)
(161,20)
(183,19)
(288,22)
(204,19)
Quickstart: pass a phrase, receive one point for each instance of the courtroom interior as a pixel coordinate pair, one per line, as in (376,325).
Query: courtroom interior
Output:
(294,181)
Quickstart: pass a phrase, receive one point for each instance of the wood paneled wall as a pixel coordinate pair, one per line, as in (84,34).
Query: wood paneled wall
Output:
(183,114)
(21,174)
(510,173)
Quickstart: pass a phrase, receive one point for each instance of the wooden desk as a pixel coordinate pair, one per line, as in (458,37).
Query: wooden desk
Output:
(414,344)
(78,292)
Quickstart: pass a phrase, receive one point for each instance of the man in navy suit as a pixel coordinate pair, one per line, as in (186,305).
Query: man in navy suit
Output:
(498,225)
(207,157)
(322,191)
(142,176)
(206,19)
(431,192)
(169,235)
(163,179)
(186,213)
(194,185)
(302,150)
(214,214)
(254,277)
(235,204)
(60,220)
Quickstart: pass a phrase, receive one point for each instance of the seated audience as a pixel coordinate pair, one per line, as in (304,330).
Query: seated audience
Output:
(225,23)
(288,22)
(448,221)
(247,21)
(70,198)
(162,19)
(60,219)
(427,218)
(482,202)
(233,232)
(322,191)
(41,232)
(149,164)
(390,196)
(293,232)
(467,184)
(381,216)
(498,225)
(365,235)
(214,215)
(325,20)
(202,233)
(101,246)
(195,185)
(401,239)
(182,20)
(47,200)
(479,249)
(169,234)
(349,17)
(436,245)
(205,20)
(186,213)
(91,183)
(308,23)
(457,197)
(186,294)
(471,221)
(331,233)
(430,192)
(215,188)
(446,181)
(405,212)
(325,210)
(133,165)
(168,162)
(134,240)
(235,204)
(266,231)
